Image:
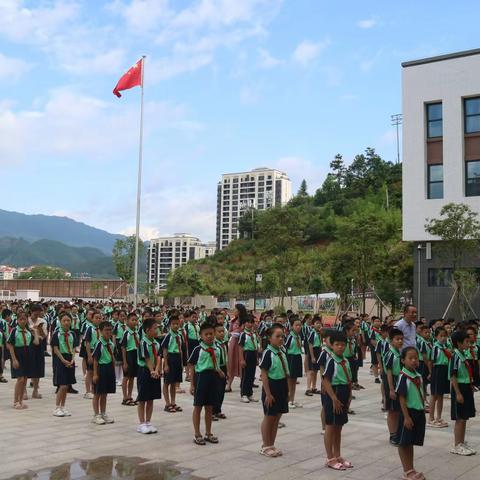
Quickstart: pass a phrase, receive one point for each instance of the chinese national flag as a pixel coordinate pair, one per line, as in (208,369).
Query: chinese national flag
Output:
(133,78)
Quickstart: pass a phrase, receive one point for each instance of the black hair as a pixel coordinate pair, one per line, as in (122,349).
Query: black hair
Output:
(6,313)
(327,332)
(130,315)
(458,337)
(65,314)
(337,336)
(171,318)
(293,318)
(439,330)
(105,324)
(384,328)
(407,307)
(348,325)
(148,324)
(374,317)
(36,307)
(403,355)
(206,325)
(274,327)
(242,313)
(395,332)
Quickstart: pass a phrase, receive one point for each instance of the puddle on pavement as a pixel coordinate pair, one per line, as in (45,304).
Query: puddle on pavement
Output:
(106,468)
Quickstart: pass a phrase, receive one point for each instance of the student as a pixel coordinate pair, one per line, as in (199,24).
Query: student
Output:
(18,344)
(472,353)
(440,385)
(322,363)
(411,426)
(92,336)
(118,332)
(383,346)
(350,353)
(293,347)
(274,375)
(63,346)
(313,352)
(38,326)
(462,402)
(129,346)
(104,381)
(392,368)
(83,353)
(248,347)
(3,340)
(424,348)
(222,362)
(375,337)
(337,385)
(172,363)
(204,372)
(193,331)
(148,380)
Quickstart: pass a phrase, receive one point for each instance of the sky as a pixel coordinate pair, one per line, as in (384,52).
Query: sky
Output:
(230,85)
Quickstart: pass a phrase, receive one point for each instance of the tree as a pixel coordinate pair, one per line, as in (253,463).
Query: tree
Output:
(185,282)
(302,191)
(44,272)
(458,228)
(124,257)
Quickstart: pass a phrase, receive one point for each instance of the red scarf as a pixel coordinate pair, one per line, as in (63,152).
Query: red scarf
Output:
(179,346)
(447,353)
(135,337)
(417,381)
(24,335)
(282,361)
(155,353)
(109,348)
(299,344)
(343,364)
(211,352)
(67,338)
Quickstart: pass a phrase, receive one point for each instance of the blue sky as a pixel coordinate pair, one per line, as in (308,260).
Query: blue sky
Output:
(230,85)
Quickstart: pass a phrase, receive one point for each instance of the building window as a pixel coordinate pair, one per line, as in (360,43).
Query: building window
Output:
(472,178)
(434,120)
(440,277)
(472,115)
(435,181)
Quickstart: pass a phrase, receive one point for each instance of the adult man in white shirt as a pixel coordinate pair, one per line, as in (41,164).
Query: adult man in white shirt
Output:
(407,326)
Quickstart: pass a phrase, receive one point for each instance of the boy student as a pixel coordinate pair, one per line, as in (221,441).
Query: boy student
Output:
(463,405)
(204,372)
(375,337)
(222,381)
(392,368)
(172,349)
(411,425)
(293,346)
(350,353)
(424,348)
(248,347)
(92,335)
(314,349)
(337,386)
(148,380)
(129,346)
(104,381)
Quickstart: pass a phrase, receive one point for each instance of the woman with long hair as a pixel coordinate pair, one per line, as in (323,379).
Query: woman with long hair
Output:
(236,328)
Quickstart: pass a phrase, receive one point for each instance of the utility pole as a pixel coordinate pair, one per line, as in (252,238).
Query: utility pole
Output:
(397,120)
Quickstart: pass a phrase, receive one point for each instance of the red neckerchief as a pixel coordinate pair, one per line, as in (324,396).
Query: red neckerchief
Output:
(376,330)
(211,352)
(109,348)
(472,352)
(447,353)
(297,339)
(154,351)
(135,337)
(179,345)
(470,371)
(343,364)
(417,381)
(282,361)
(24,335)
(67,338)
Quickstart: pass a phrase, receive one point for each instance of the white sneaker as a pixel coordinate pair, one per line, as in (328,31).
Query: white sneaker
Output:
(468,447)
(252,399)
(119,384)
(291,405)
(66,413)
(58,412)
(107,419)
(88,396)
(461,450)
(245,399)
(151,427)
(143,428)
(98,420)
(298,405)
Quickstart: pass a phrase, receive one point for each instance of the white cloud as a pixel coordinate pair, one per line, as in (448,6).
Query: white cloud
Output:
(142,15)
(12,68)
(367,64)
(266,60)
(367,23)
(306,52)
(298,169)
(249,95)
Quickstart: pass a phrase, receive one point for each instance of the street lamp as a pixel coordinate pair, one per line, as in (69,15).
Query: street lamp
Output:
(258,279)
(289,290)
(419,276)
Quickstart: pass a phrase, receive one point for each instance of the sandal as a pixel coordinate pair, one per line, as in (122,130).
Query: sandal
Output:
(334,464)
(169,409)
(316,391)
(413,475)
(278,452)
(345,463)
(222,416)
(268,452)
(130,402)
(199,440)
(177,408)
(180,390)
(211,438)
(228,390)
(125,401)
(309,393)
(37,396)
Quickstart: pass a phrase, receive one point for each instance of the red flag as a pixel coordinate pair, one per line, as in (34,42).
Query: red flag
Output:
(133,78)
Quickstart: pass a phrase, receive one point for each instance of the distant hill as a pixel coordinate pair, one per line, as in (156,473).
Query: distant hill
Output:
(19,252)
(61,229)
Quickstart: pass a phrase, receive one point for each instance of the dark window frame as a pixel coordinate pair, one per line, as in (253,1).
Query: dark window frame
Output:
(471,115)
(433,120)
(433,182)
(467,193)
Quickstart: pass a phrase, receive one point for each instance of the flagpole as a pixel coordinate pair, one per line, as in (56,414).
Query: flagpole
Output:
(139,190)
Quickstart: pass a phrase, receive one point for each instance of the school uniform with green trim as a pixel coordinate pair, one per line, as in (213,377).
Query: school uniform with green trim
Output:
(374,338)
(249,342)
(293,346)
(172,344)
(274,362)
(460,368)
(472,355)
(221,382)
(424,348)
(410,386)
(64,340)
(21,340)
(131,343)
(118,331)
(105,357)
(338,373)
(193,336)
(149,388)
(315,342)
(440,356)
(205,358)
(393,364)
(92,336)
(350,354)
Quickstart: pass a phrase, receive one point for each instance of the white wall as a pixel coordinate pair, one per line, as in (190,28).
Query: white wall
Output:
(447,81)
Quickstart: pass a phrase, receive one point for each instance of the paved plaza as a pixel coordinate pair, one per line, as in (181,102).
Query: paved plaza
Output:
(32,440)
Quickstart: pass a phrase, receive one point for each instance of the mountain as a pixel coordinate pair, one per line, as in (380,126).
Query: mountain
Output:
(19,252)
(61,229)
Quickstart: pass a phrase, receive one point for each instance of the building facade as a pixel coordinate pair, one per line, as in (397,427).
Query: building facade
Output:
(167,253)
(441,163)
(260,189)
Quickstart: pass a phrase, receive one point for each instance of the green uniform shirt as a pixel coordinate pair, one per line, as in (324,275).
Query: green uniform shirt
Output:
(274,361)
(350,348)
(172,341)
(66,341)
(410,385)
(222,348)
(438,355)
(148,349)
(458,368)
(193,331)
(17,339)
(392,361)
(248,341)
(205,357)
(103,352)
(293,344)
(337,370)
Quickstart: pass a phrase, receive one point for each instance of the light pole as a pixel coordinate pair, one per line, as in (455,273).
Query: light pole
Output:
(397,120)
(258,279)
(419,276)
(289,290)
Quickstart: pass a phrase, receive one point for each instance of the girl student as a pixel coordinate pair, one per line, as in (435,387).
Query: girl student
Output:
(462,402)
(38,326)
(221,344)
(148,379)
(18,343)
(118,331)
(204,373)
(88,323)
(411,425)
(293,346)
(63,348)
(274,375)
(392,367)
(248,348)
(92,335)
(440,356)
(472,353)
(337,385)
(129,345)
(313,352)
(172,351)
(104,381)
(322,362)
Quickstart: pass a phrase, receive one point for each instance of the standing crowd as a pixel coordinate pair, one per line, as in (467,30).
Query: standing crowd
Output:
(415,363)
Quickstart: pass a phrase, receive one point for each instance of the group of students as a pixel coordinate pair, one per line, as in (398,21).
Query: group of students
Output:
(123,345)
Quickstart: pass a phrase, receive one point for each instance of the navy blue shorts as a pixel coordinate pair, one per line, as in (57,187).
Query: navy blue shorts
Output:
(465,410)
(415,435)
(148,388)
(106,379)
(279,391)
(295,366)
(206,388)
(175,369)
(331,417)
